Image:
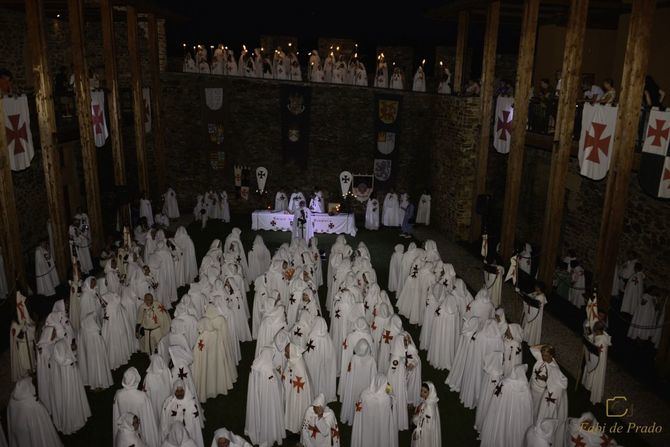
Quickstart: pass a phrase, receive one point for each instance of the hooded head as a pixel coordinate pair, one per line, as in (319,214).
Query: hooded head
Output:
(379,384)
(131,379)
(361,325)
(432,393)
(362,348)
(24,390)
(126,422)
(319,327)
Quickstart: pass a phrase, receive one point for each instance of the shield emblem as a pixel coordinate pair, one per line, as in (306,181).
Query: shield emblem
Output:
(345,182)
(382,169)
(388,111)
(261,178)
(654,172)
(363,185)
(385,142)
(293,135)
(214,98)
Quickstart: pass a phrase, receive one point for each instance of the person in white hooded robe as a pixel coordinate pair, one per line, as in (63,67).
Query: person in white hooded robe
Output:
(117,332)
(146,211)
(375,421)
(466,344)
(397,378)
(320,359)
(130,399)
(548,385)
(92,355)
(357,377)
(259,258)
(70,408)
(426,419)
(178,437)
(423,210)
(359,331)
(584,431)
(533,309)
(225,438)
(157,383)
(170,205)
(153,322)
(395,267)
(127,429)
(182,408)
(22,341)
(510,412)
(319,426)
(390,332)
(593,377)
(492,375)
(297,388)
(541,434)
(28,422)
(391,210)
(185,243)
(46,275)
(162,265)
(265,407)
(372,214)
(512,347)
(445,333)
(419,83)
(213,359)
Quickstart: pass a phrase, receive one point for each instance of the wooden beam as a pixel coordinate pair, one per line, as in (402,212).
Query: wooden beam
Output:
(156,122)
(630,100)
(112,87)
(524,75)
(488,75)
(88,150)
(46,118)
(562,146)
(138,102)
(461,45)
(9,221)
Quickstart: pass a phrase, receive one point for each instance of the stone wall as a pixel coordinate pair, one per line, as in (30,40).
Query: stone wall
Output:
(342,135)
(646,224)
(453,162)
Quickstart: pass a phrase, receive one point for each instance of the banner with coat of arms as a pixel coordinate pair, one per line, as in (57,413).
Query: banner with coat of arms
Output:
(17,130)
(295,102)
(387,127)
(362,186)
(596,142)
(654,171)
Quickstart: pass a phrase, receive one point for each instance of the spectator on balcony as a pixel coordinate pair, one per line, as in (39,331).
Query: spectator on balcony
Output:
(653,95)
(473,88)
(5,81)
(610,94)
(593,93)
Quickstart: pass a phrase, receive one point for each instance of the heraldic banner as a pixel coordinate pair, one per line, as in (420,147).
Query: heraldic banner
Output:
(295,101)
(654,171)
(387,124)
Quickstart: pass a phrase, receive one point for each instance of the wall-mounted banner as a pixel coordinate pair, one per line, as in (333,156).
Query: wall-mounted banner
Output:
(295,102)
(655,158)
(597,140)
(100,132)
(345,182)
(363,186)
(502,124)
(261,178)
(387,128)
(17,129)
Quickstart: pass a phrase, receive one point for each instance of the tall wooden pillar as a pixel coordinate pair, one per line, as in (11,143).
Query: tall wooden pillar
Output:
(46,117)
(524,76)
(616,196)
(156,121)
(488,74)
(10,237)
(82,90)
(560,156)
(112,87)
(461,45)
(138,102)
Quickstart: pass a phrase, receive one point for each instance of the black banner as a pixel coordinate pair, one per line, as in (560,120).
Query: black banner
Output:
(295,101)
(387,126)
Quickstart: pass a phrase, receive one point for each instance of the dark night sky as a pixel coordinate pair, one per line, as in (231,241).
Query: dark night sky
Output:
(369,23)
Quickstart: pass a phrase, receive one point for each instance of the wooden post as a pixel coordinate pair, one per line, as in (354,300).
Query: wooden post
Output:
(11,237)
(570,81)
(46,117)
(112,87)
(461,45)
(88,150)
(488,74)
(156,122)
(630,100)
(138,101)
(524,76)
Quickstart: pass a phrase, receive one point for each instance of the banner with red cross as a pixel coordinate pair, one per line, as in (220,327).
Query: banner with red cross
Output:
(146,99)
(502,124)
(654,171)
(596,142)
(17,129)
(98,117)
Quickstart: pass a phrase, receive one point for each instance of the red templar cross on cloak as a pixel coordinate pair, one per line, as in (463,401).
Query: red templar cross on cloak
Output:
(201,344)
(298,384)
(658,132)
(16,134)
(97,119)
(596,142)
(505,125)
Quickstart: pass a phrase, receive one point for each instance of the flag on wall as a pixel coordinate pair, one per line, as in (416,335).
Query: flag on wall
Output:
(146,97)
(17,129)
(295,102)
(98,117)
(654,171)
(502,124)
(597,140)
(387,126)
